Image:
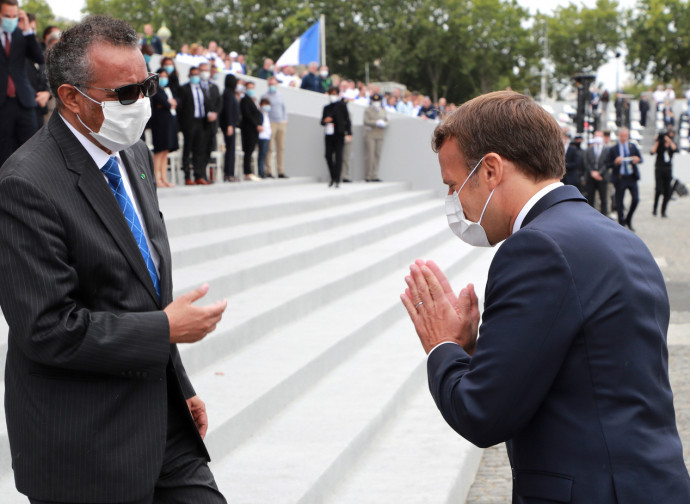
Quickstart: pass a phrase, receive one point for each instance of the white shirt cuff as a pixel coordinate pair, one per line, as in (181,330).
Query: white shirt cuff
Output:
(442,343)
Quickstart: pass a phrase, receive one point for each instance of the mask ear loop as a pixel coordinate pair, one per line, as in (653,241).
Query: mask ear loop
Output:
(487,204)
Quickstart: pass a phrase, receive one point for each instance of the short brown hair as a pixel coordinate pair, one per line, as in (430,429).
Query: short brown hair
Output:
(510,124)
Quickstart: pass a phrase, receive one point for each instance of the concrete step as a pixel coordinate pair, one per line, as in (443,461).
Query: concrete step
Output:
(342,398)
(240,237)
(254,312)
(206,211)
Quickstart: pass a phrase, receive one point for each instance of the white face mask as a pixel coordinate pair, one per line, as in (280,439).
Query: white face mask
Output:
(205,76)
(470,232)
(122,124)
(376,104)
(333,98)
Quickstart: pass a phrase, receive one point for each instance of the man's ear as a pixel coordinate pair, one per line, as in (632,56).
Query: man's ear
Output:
(68,97)
(494,169)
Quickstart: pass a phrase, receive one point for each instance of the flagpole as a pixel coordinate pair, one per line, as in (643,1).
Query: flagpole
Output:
(322,34)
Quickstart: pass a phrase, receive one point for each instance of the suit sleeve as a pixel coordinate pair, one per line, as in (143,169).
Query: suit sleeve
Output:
(348,123)
(33,49)
(40,297)
(326,112)
(532,314)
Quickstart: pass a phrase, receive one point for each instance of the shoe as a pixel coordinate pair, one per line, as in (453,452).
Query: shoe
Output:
(202,182)
(664,216)
(367,180)
(251,177)
(188,182)
(330,184)
(227,179)
(347,180)
(282,175)
(269,175)
(629,224)
(376,180)
(654,213)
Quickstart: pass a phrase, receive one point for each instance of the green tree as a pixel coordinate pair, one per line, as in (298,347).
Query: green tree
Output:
(581,38)
(44,15)
(658,40)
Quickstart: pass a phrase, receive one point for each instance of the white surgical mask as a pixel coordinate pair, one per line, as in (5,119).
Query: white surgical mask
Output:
(122,124)
(205,76)
(333,98)
(323,73)
(376,104)
(470,232)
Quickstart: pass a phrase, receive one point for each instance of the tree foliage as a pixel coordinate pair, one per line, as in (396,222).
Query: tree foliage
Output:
(453,48)
(659,40)
(44,15)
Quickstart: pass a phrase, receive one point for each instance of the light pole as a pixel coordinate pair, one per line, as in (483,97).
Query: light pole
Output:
(618,56)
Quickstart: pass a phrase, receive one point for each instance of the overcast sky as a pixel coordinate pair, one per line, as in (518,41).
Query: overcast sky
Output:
(70,9)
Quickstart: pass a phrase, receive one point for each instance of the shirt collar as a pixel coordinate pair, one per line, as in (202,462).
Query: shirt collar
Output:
(531,202)
(99,156)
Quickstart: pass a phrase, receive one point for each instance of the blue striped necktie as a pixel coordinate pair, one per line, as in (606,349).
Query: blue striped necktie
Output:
(112,172)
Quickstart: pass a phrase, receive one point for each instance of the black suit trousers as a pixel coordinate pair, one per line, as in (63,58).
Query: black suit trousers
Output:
(195,147)
(229,154)
(17,125)
(334,156)
(629,183)
(597,186)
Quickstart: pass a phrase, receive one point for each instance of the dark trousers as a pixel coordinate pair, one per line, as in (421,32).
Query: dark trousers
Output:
(249,140)
(229,154)
(263,152)
(195,147)
(597,186)
(17,125)
(185,477)
(663,178)
(334,156)
(629,183)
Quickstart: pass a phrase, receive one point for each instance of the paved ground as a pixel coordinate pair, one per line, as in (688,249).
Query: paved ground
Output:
(669,241)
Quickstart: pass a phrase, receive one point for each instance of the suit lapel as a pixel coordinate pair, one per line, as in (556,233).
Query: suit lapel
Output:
(95,189)
(565,193)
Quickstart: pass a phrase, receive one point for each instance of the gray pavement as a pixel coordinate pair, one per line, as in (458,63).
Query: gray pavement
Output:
(669,241)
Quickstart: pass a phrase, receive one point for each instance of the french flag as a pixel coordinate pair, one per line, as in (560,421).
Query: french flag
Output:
(305,49)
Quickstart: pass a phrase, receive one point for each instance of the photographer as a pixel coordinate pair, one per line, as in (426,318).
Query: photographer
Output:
(664,148)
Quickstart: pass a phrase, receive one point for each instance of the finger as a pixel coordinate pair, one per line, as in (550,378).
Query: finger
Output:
(421,285)
(435,289)
(415,294)
(409,306)
(196,294)
(440,276)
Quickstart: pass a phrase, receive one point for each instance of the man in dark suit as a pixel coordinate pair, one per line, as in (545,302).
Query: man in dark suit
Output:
(596,171)
(574,165)
(571,367)
(213,104)
(17,97)
(193,118)
(336,120)
(622,160)
(98,404)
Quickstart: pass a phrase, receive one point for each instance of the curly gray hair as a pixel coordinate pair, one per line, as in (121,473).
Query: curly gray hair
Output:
(67,62)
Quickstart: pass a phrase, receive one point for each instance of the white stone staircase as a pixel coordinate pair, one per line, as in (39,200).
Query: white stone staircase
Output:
(314,380)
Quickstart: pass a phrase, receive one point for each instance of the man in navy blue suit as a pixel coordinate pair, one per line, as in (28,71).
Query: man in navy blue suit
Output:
(17,97)
(571,366)
(622,160)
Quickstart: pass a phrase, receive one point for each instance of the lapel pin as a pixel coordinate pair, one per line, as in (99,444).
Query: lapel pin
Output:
(143,176)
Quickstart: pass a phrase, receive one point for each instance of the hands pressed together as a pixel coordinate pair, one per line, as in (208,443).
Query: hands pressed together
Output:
(436,312)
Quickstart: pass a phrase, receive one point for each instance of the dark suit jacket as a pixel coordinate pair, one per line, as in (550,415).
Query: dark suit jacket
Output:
(185,107)
(229,112)
(571,366)
(22,47)
(574,165)
(341,117)
(214,103)
(594,164)
(85,380)
(615,169)
(251,118)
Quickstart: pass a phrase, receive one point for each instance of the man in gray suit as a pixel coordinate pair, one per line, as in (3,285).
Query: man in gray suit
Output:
(596,179)
(99,407)
(375,123)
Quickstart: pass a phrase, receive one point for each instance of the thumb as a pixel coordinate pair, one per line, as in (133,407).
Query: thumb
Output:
(196,294)
(465,302)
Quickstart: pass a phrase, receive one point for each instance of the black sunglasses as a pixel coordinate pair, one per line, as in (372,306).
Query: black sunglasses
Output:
(130,93)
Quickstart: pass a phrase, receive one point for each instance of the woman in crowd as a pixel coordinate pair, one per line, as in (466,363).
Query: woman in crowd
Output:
(164,127)
(664,148)
(229,119)
(264,136)
(250,126)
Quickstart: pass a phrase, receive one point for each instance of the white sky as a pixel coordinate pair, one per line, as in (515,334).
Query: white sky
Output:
(71,9)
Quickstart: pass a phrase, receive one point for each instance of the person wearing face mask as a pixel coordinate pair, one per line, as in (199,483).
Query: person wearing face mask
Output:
(264,136)
(338,129)
(570,369)
(164,127)
(664,147)
(375,124)
(98,404)
(168,64)
(192,112)
(251,125)
(229,120)
(18,120)
(325,80)
(213,105)
(279,120)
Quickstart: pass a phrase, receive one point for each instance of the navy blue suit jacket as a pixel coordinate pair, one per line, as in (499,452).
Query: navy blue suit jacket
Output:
(614,152)
(22,47)
(571,366)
